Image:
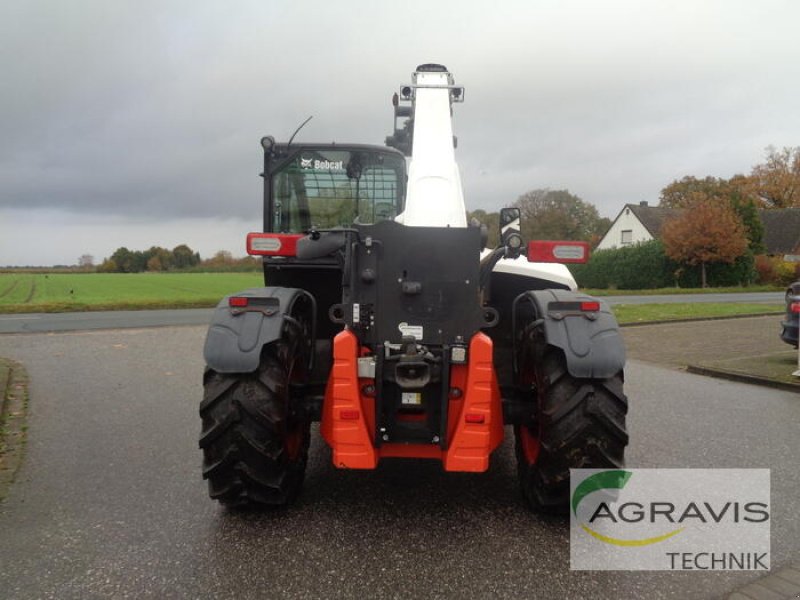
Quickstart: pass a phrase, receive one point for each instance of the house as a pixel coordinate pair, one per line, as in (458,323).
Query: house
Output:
(781,230)
(636,223)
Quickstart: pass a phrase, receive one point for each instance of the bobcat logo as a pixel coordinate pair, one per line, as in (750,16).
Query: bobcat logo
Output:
(306,163)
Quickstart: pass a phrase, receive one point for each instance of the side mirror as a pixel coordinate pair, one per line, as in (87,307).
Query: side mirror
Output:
(510,229)
(509,217)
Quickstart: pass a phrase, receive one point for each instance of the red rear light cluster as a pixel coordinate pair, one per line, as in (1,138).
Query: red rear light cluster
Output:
(272,244)
(238,301)
(590,306)
(795,307)
(558,252)
(477,418)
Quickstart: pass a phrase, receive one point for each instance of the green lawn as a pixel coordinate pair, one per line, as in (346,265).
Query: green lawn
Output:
(62,292)
(675,290)
(640,313)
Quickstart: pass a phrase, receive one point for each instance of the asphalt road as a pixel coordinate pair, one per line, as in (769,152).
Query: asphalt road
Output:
(47,322)
(110,504)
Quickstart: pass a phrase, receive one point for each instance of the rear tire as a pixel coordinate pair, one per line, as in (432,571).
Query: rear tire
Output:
(254,449)
(580,423)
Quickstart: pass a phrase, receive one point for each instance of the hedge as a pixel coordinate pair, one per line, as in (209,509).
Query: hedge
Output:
(645,266)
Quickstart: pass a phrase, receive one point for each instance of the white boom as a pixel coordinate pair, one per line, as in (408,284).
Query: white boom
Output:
(434,197)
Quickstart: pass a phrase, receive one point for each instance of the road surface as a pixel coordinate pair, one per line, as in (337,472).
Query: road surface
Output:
(109,502)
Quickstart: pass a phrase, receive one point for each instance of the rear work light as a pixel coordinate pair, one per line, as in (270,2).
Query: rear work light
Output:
(558,252)
(272,244)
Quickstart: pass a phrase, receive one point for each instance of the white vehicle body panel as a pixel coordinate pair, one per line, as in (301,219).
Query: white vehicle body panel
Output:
(434,195)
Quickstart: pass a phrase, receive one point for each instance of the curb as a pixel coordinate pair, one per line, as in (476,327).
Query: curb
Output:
(13,414)
(743,378)
(5,378)
(694,319)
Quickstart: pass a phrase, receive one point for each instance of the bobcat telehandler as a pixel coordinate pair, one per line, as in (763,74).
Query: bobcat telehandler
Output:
(384,319)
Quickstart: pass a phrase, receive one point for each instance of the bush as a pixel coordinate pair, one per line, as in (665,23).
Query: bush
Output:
(765,271)
(634,267)
(774,270)
(741,272)
(645,266)
(785,272)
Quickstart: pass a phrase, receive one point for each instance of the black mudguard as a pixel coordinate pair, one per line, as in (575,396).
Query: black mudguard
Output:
(236,337)
(591,342)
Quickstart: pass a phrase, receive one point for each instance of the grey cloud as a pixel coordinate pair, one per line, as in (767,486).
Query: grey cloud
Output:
(157,108)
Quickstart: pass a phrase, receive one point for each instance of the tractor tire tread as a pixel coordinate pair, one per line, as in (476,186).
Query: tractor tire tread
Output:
(581,425)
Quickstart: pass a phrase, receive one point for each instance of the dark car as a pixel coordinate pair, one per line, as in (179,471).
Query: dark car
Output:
(790,324)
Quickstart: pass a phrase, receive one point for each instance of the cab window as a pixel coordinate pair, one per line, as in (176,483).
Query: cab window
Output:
(324,189)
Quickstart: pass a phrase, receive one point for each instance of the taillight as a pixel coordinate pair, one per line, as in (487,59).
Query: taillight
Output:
(795,307)
(272,244)
(590,306)
(476,418)
(238,301)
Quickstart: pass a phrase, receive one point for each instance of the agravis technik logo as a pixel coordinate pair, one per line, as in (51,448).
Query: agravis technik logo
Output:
(610,480)
(653,519)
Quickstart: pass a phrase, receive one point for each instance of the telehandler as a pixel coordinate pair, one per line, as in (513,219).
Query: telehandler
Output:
(385,319)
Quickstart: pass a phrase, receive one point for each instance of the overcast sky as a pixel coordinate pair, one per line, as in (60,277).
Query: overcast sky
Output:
(137,123)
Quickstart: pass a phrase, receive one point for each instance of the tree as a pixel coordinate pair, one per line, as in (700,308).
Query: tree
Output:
(747,211)
(737,192)
(776,182)
(557,214)
(707,232)
(108,266)
(158,259)
(184,257)
(86,261)
(123,259)
(154,263)
(682,193)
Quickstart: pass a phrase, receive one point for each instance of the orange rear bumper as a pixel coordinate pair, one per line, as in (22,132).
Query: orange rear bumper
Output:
(475,420)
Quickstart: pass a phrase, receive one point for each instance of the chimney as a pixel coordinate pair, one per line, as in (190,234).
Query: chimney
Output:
(643,203)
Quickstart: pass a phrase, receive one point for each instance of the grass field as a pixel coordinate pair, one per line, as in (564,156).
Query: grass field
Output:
(62,292)
(643,313)
(66,292)
(675,290)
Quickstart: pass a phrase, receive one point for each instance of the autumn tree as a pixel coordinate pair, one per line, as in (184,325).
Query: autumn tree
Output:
(684,192)
(557,214)
(158,259)
(737,192)
(707,232)
(776,182)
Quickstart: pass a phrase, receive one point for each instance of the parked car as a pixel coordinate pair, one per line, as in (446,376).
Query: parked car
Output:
(789,333)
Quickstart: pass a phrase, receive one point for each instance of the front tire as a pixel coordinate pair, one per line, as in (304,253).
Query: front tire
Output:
(580,423)
(254,449)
